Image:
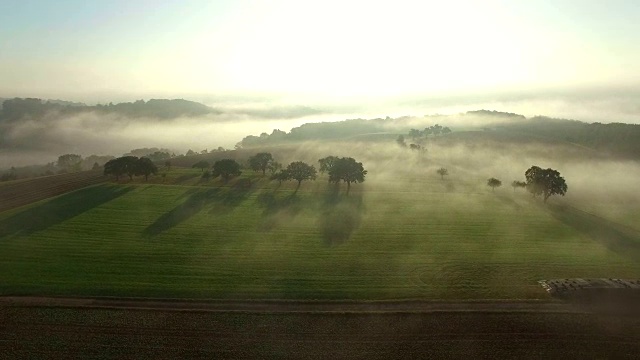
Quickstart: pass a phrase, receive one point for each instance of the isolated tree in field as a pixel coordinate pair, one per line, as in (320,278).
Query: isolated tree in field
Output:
(545,182)
(144,166)
(70,162)
(226,168)
(326,163)
(516,184)
(280,176)
(301,171)
(260,162)
(494,183)
(202,164)
(348,170)
(112,167)
(120,166)
(442,172)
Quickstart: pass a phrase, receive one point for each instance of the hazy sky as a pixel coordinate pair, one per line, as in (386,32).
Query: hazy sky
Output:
(337,49)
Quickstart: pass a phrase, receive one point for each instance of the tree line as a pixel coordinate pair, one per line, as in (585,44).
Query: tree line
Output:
(339,169)
(539,182)
(419,136)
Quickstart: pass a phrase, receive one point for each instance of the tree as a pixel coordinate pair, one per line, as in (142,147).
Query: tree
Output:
(202,164)
(226,168)
(274,166)
(415,134)
(494,183)
(442,172)
(158,156)
(167,164)
(301,171)
(516,184)
(545,182)
(260,162)
(348,170)
(327,163)
(70,162)
(280,176)
(120,166)
(144,166)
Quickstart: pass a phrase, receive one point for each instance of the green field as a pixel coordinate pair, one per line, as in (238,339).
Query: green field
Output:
(253,239)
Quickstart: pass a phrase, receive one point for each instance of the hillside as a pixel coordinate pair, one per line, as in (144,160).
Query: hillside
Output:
(615,139)
(612,140)
(35,109)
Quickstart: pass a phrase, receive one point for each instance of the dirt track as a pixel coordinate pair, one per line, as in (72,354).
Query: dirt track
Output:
(128,328)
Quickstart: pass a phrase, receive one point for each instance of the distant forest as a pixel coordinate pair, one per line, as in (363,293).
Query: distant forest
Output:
(18,108)
(616,139)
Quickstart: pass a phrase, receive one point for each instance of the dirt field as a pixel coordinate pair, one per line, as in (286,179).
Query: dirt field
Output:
(57,328)
(23,192)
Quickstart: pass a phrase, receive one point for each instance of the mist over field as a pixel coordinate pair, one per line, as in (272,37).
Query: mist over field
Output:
(40,140)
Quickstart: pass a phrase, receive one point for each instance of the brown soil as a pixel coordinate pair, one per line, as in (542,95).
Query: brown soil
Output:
(42,328)
(23,192)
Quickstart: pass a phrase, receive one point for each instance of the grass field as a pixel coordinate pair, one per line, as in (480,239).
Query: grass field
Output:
(182,237)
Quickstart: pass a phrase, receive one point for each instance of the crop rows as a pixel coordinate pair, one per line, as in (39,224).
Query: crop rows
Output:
(24,192)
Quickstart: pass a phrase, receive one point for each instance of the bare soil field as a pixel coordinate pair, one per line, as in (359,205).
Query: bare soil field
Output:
(100,328)
(23,192)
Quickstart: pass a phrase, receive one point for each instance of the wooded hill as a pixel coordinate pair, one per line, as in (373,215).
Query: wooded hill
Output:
(17,109)
(614,139)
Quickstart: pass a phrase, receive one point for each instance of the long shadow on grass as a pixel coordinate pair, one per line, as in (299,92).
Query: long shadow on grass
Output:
(60,209)
(185,177)
(340,215)
(508,200)
(277,209)
(218,200)
(618,238)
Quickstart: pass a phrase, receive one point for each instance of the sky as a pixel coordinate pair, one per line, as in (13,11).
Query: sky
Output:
(334,50)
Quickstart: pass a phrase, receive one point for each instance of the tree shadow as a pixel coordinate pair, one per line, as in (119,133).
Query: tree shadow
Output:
(185,177)
(616,237)
(220,200)
(340,215)
(229,197)
(277,210)
(508,200)
(60,209)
